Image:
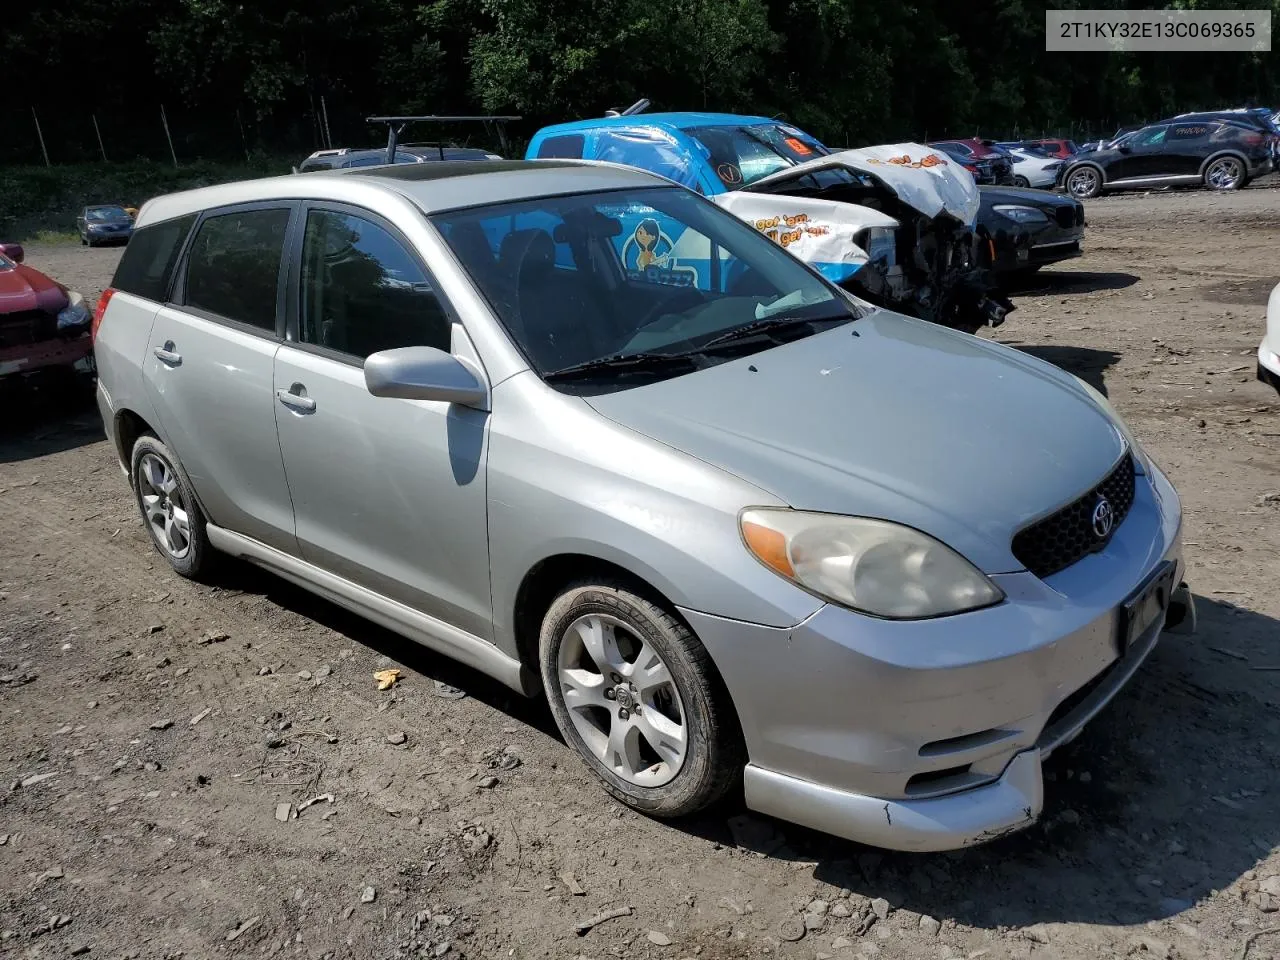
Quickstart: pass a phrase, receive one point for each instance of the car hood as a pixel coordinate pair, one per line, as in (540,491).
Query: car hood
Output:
(921,177)
(23,288)
(1023,195)
(894,418)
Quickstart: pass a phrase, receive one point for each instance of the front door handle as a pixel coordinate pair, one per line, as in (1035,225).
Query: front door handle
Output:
(167,355)
(295,398)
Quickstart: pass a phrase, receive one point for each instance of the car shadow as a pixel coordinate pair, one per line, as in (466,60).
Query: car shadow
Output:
(1160,802)
(42,419)
(1087,363)
(1051,282)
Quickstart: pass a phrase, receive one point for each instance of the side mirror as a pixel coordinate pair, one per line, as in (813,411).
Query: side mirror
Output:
(1125,148)
(13,251)
(425,373)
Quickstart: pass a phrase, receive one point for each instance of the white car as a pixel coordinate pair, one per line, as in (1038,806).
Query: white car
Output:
(1033,170)
(1269,349)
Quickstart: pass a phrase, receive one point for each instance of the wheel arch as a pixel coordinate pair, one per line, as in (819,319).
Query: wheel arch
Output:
(1226,152)
(1102,173)
(129,426)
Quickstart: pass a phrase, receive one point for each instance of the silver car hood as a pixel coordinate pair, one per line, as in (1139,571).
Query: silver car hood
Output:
(923,178)
(893,418)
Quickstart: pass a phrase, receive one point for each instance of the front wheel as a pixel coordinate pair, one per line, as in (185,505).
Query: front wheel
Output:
(1224,173)
(636,694)
(1084,183)
(1021,181)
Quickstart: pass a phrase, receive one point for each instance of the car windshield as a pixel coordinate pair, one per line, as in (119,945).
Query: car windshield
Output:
(105,213)
(741,155)
(635,285)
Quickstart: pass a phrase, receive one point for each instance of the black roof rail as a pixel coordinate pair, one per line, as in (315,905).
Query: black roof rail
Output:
(396,125)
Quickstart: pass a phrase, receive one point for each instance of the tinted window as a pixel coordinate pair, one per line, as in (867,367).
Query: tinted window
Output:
(233,269)
(148,261)
(650,270)
(565,147)
(1148,137)
(362,292)
(1190,131)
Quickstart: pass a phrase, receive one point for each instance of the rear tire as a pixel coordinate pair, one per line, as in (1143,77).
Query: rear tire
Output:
(636,694)
(1021,181)
(169,508)
(1225,173)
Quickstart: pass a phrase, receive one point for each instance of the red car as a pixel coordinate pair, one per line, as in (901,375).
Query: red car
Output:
(1053,147)
(44,327)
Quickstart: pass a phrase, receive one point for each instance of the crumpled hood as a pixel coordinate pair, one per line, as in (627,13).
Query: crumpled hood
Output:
(926,179)
(893,418)
(22,288)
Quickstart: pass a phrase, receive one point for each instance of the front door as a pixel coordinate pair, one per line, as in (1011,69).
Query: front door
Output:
(209,367)
(1143,155)
(387,493)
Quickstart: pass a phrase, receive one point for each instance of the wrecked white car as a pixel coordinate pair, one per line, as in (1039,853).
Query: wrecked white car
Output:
(893,224)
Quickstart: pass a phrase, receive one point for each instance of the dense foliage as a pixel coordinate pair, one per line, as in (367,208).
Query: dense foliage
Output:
(237,77)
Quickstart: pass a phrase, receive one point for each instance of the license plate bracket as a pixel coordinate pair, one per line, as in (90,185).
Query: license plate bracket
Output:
(1145,605)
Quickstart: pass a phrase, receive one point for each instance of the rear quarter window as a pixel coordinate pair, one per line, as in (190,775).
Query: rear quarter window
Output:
(565,147)
(147,265)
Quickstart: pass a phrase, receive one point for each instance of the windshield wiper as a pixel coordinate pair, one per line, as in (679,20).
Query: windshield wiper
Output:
(624,363)
(769,325)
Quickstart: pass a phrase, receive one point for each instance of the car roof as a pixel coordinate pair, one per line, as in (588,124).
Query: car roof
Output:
(667,121)
(432,187)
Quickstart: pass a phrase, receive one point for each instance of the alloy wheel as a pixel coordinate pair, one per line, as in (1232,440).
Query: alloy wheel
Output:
(1083,182)
(163,506)
(1223,173)
(622,700)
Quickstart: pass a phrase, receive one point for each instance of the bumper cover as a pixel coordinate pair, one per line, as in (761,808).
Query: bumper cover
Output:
(1268,366)
(929,735)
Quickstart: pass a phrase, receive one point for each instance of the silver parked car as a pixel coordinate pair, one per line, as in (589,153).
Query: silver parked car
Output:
(583,430)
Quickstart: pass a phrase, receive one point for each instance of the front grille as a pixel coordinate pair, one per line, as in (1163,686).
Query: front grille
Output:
(27,327)
(1066,217)
(1064,537)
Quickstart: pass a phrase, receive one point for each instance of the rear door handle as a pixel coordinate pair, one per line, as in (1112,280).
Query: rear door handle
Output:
(167,355)
(295,398)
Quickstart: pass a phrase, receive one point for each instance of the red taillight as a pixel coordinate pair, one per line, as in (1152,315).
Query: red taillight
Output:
(1253,138)
(99,310)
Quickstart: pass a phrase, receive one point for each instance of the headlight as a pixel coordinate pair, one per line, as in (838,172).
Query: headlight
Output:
(1021,214)
(74,314)
(872,566)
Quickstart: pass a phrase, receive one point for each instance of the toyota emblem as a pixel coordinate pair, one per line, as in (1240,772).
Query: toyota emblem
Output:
(1104,518)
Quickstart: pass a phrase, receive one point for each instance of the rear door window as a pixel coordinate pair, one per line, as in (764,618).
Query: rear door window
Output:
(147,265)
(647,150)
(1184,132)
(233,270)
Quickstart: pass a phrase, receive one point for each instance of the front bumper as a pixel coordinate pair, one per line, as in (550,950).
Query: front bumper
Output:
(1020,247)
(1268,366)
(44,355)
(929,735)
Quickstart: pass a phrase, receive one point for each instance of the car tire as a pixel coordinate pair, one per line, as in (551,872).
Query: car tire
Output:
(1084,182)
(1225,173)
(603,651)
(169,508)
(1021,181)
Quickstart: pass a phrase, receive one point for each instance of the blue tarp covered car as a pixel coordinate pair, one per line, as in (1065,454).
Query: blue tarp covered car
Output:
(893,224)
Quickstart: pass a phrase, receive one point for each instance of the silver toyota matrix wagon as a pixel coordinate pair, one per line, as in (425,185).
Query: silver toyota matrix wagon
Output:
(577,427)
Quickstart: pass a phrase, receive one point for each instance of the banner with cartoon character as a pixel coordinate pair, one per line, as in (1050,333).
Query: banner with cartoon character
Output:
(822,233)
(923,178)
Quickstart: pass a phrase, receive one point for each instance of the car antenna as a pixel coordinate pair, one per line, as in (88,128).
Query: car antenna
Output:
(396,125)
(640,106)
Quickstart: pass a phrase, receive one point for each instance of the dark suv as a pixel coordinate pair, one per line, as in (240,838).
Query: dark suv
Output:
(982,158)
(1221,154)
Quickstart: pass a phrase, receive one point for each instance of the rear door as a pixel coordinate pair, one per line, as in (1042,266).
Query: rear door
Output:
(209,368)
(1186,145)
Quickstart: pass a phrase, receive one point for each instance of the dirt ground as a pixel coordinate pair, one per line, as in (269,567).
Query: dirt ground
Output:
(162,740)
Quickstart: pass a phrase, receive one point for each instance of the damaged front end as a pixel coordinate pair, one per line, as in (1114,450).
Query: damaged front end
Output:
(892,224)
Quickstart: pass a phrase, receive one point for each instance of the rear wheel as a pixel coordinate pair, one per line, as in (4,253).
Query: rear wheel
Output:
(1083,183)
(636,694)
(1021,181)
(169,509)
(1224,173)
